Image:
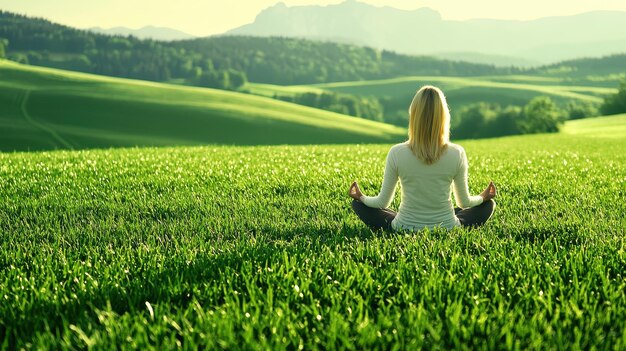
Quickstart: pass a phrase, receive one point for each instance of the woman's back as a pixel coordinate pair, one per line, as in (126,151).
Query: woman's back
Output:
(426,188)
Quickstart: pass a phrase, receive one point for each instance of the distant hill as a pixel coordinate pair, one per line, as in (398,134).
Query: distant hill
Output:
(45,108)
(606,71)
(609,68)
(395,94)
(147,32)
(496,60)
(545,40)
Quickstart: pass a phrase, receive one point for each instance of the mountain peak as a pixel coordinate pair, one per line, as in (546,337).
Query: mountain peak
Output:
(352,3)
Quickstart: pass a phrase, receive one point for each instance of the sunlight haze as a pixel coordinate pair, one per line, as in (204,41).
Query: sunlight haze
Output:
(202,18)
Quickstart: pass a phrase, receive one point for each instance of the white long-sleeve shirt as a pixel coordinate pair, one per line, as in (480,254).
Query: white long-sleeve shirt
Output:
(425,200)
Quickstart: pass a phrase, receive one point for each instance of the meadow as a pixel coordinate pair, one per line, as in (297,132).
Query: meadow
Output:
(44,108)
(256,248)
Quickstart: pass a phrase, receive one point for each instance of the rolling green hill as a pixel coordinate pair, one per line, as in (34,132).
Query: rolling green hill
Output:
(47,108)
(608,127)
(396,93)
(463,90)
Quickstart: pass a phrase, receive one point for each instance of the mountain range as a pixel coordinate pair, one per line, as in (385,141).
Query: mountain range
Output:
(147,32)
(424,31)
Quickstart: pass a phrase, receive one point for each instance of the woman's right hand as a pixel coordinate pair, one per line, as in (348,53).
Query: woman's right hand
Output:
(489,193)
(355,192)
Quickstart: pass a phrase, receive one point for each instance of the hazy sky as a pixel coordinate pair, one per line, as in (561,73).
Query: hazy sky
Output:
(205,17)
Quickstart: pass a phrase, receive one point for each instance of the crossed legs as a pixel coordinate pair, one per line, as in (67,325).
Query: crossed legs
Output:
(377,219)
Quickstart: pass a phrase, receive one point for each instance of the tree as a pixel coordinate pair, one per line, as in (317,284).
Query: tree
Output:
(308,99)
(19,58)
(4,43)
(237,79)
(541,115)
(196,73)
(210,79)
(471,121)
(506,121)
(34,58)
(616,103)
(577,110)
(397,117)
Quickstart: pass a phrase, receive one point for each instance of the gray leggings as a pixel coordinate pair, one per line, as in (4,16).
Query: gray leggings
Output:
(376,218)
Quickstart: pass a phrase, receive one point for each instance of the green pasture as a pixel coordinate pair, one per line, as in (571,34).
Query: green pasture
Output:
(46,108)
(238,247)
(271,90)
(605,128)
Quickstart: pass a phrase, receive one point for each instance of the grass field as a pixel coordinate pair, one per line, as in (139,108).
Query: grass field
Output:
(45,108)
(257,248)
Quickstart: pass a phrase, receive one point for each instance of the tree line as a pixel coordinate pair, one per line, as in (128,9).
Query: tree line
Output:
(540,115)
(482,120)
(590,67)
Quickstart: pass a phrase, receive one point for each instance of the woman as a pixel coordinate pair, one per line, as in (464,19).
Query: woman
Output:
(426,165)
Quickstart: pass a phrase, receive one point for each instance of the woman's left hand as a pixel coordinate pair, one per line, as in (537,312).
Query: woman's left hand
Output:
(489,193)
(355,192)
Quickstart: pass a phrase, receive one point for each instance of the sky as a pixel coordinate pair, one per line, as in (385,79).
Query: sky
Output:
(207,17)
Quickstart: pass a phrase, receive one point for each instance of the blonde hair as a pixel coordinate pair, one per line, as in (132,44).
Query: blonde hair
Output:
(429,124)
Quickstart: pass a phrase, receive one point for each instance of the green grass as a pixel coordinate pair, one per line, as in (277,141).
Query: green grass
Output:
(271,90)
(257,248)
(612,127)
(46,108)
